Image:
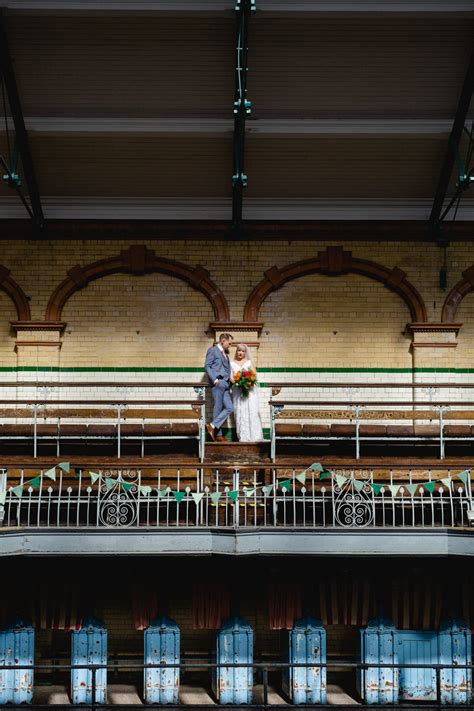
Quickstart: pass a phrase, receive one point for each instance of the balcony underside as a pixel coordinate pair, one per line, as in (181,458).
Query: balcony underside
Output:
(255,542)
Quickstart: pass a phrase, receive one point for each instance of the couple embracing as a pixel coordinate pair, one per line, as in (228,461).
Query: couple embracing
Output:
(233,384)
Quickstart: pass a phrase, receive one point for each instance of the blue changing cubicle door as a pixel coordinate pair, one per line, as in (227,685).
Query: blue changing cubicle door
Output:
(455,648)
(162,646)
(233,685)
(16,648)
(417,647)
(306,644)
(378,645)
(89,646)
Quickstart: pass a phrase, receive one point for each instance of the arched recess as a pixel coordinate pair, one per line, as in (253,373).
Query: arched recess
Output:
(335,261)
(16,294)
(457,294)
(136,260)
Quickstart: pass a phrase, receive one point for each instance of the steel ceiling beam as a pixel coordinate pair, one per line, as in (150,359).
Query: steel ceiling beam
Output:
(8,74)
(242,109)
(465,97)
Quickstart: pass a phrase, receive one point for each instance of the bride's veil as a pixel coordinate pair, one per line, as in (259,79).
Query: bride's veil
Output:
(248,352)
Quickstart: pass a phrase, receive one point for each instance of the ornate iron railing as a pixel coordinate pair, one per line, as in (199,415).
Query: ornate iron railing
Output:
(237,497)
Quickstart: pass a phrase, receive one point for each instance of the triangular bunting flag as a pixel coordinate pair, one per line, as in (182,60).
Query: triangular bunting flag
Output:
(446,482)
(94,477)
(267,490)
(36,482)
(127,486)
(412,488)
(215,496)
(341,480)
(316,467)
(163,492)
(429,486)
(285,485)
(358,485)
(377,488)
(250,492)
(197,497)
(179,495)
(3,496)
(464,476)
(110,483)
(233,495)
(324,474)
(65,466)
(394,488)
(18,490)
(51,473)
(301,477)
(145,490)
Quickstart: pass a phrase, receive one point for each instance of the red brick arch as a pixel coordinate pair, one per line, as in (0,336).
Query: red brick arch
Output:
(335,261)
(457,294)
(16,294)
(136,260)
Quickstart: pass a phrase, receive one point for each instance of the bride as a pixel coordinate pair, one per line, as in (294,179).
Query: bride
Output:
(246,409)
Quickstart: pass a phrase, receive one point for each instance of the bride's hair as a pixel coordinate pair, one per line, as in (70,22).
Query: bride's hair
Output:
(248,354)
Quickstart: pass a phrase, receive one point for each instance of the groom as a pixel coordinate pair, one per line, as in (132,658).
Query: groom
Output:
(217,367)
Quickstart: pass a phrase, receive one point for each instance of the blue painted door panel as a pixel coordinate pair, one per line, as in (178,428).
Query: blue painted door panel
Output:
(417,647)
(378,643)
(162,646)
(233,685)
(455,648)
(306,644)
(89,646)
(16,648)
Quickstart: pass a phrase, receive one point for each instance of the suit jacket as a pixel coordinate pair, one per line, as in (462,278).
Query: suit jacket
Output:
(217,365)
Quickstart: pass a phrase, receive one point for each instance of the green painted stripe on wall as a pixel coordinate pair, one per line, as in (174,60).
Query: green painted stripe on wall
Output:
(92,369)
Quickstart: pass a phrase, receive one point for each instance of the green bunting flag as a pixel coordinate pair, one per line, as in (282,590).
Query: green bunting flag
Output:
(179,495)
(197,497)
(301,477)
(127,486)
(233,495)
(429,486)
(94,477)
(316,467)
(36,482)
(394,489)
(358,485)
(18,490)
(163,492)
(65,466)
(51,473)
(215,496)
(412,488)
(464,476)
(3,496)
(377,488)
(267,490)
(250,492)
(324,475)
(341,480)
(145,490)
(285,485)
(446,482)
(110,483)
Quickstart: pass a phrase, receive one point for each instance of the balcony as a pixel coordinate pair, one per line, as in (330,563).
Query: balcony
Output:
(264,509)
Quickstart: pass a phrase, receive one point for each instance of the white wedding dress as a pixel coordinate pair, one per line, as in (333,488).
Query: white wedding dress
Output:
(246,409)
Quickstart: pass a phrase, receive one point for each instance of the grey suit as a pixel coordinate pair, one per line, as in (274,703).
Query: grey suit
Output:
(217,367)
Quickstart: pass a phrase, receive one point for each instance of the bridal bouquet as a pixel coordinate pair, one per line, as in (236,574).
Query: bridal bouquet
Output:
(245,380)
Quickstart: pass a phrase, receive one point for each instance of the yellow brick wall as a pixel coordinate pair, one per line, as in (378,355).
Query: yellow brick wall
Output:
(347,321)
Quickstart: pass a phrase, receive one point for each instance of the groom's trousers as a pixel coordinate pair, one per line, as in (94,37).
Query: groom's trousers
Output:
(223,407)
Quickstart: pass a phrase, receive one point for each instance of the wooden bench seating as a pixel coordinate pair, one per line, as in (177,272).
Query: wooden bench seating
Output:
(54,424)
(366,424)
